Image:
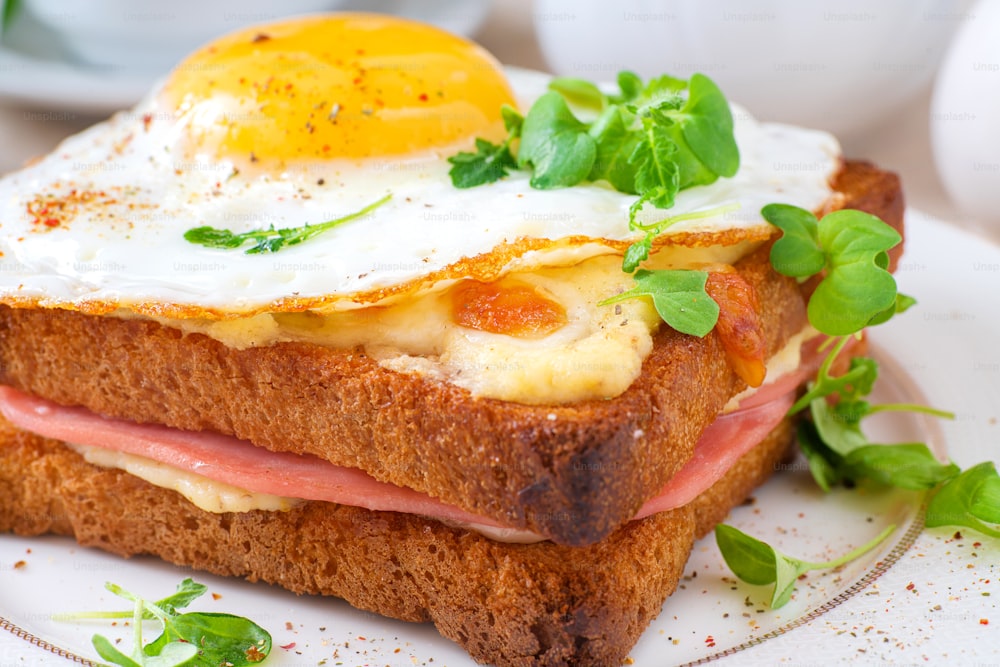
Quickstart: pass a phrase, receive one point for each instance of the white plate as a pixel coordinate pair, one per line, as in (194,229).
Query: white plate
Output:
(929,602)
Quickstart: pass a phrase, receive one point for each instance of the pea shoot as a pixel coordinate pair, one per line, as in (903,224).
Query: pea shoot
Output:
(271,239)
(650,139)
(848,249)
(198,639)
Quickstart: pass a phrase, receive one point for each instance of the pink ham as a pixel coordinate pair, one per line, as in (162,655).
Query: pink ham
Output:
(224,459)
(728,438)
(227,459)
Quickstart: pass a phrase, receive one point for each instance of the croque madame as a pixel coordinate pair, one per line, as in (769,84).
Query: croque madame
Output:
(422,408)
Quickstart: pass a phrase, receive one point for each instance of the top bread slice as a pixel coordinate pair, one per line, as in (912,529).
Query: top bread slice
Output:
(572,473)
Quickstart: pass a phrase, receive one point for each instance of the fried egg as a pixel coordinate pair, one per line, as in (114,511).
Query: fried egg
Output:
(315,118)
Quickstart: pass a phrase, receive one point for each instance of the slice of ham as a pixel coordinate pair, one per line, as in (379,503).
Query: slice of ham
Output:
(239,463)
(224,458)
(728,438)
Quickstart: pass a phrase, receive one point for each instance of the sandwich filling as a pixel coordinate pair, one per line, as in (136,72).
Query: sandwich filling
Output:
(220,473)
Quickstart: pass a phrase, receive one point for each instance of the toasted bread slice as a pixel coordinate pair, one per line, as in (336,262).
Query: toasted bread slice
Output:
(573,473)
(506,604)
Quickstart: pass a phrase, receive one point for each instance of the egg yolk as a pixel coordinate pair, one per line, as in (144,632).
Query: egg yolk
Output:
(336,86)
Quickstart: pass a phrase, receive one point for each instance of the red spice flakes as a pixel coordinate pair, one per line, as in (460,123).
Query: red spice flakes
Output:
(20,565)
(910,586)
(54,211)
(216,596)
(710,641)
(260,37)
(984,621)
(423,97)
(147,120)
(288,647)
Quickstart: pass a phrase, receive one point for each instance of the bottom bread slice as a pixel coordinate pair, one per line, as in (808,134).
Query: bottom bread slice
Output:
(506,604)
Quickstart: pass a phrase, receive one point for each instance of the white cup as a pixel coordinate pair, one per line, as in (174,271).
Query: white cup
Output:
(840,66)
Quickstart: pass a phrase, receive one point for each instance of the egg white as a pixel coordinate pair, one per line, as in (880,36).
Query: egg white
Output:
(128,251)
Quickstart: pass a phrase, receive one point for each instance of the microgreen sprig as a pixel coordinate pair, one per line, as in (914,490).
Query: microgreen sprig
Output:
(758,563)
(679,297)
(971,500)
(490,162)
(651,139)
(199,639)
(271,239)
(848,250)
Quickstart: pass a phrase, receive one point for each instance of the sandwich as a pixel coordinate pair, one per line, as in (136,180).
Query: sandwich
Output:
(266,307)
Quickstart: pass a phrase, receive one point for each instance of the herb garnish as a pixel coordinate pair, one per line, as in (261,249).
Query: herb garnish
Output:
(850,246)
(759,563)
(856,291)
(271,239)
(651,139)
(200,639)
(679,297)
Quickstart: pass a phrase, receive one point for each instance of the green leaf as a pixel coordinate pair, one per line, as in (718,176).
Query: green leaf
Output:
(107,650)
(758,563)
(797,252)
(852,247)
(220,638)
(616,143)
(271,240)
(637,253)
(968,500)
(631,86)
(579,92)
(187,592)
(556,144)
(512,122)
(657,175)
(985,503)
(824,463)
(750,559)
(841,434)
(708,127)
(901,305)
(679,297)
(856,288)
(488,164)
(178,654)
(856,383)
(904,466)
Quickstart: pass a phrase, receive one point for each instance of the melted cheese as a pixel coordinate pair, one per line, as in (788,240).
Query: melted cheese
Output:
(597,354)
(219,498)
(204,493)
